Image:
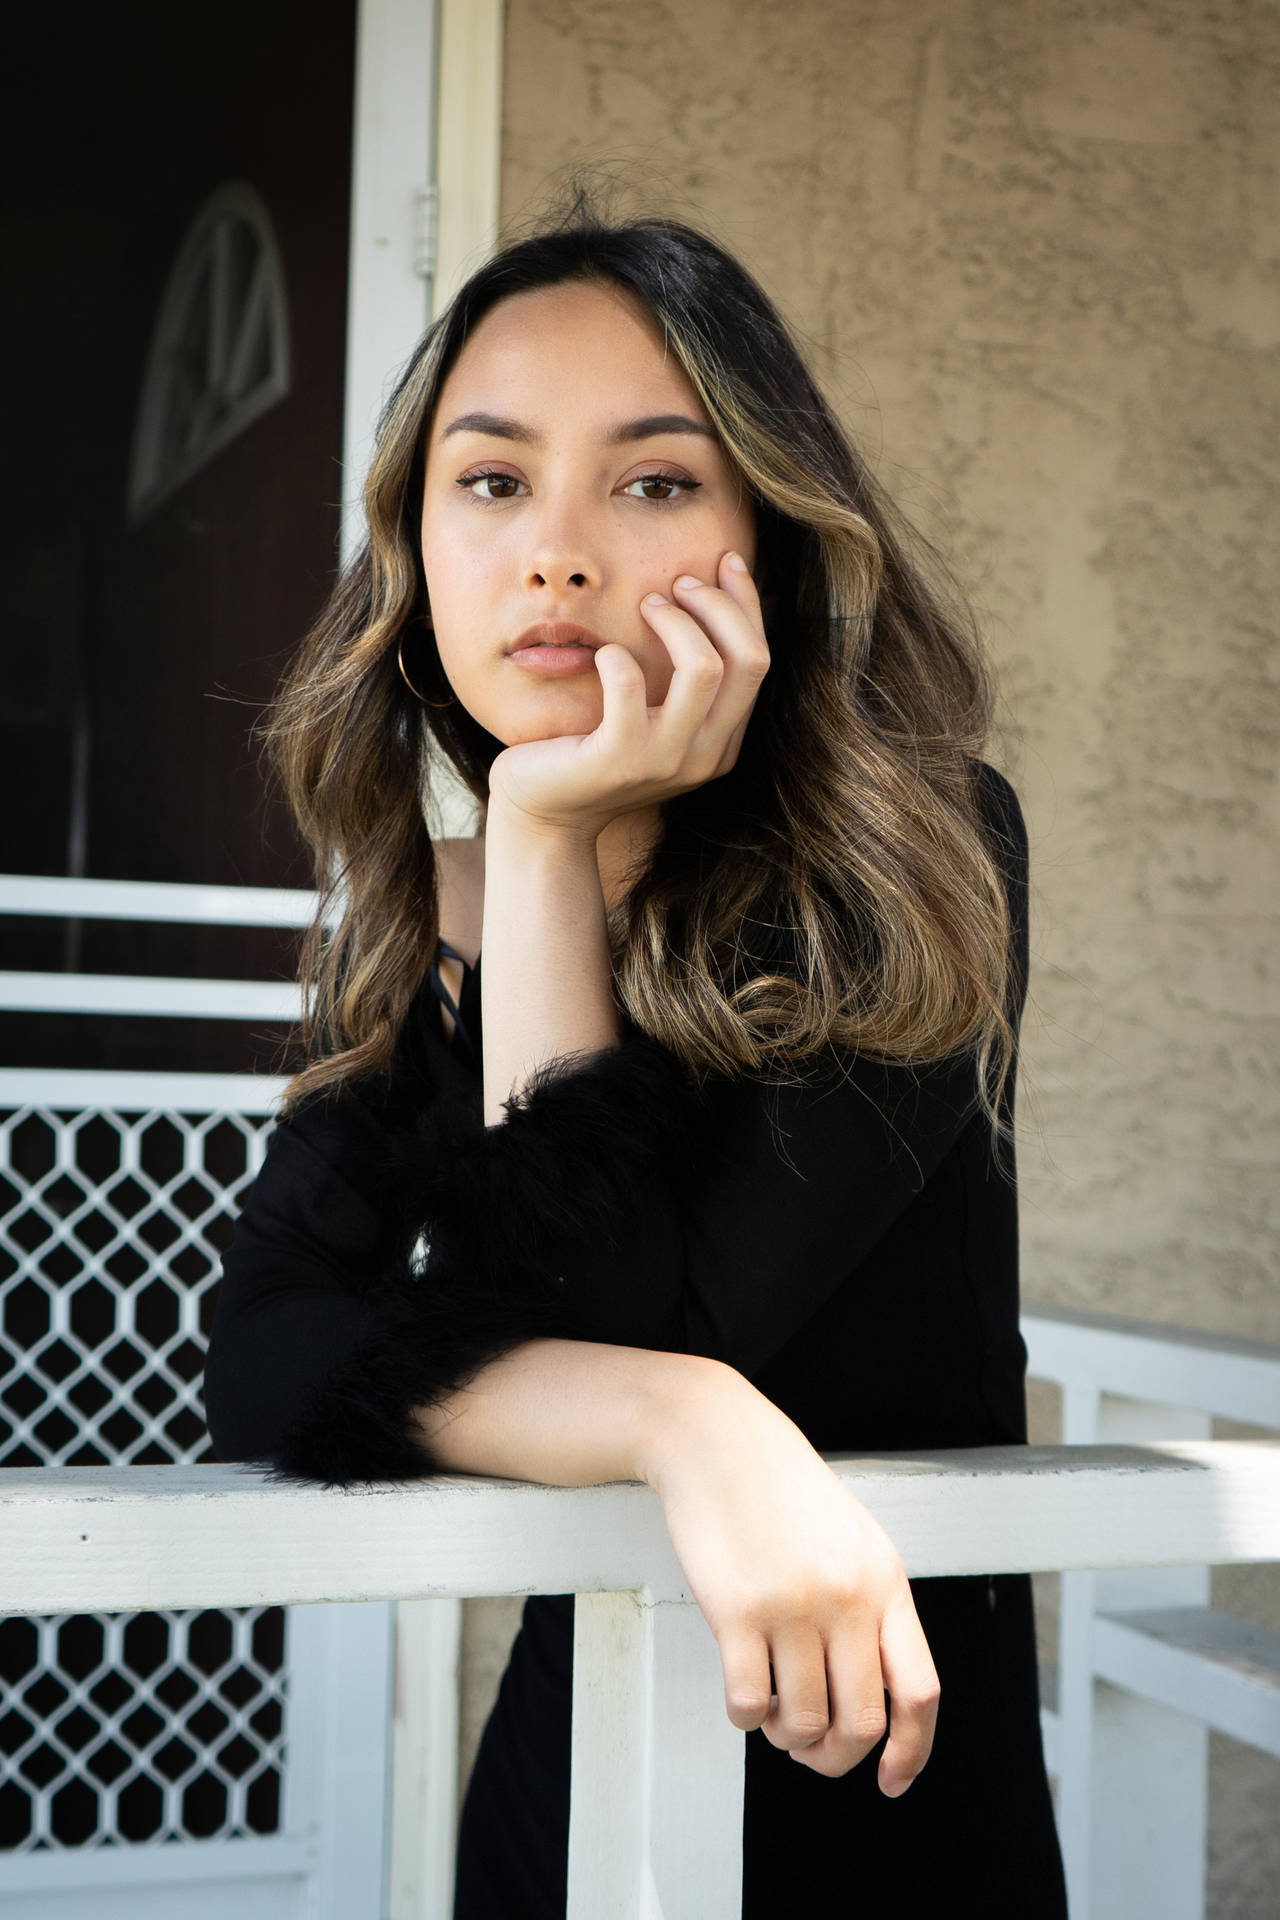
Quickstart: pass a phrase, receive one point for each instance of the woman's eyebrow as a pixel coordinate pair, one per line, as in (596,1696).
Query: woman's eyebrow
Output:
(505,429)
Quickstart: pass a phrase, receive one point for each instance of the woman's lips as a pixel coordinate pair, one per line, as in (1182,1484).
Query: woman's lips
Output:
(542,658)
(557,646)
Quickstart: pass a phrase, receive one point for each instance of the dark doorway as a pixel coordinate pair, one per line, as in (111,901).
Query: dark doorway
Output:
(141,648)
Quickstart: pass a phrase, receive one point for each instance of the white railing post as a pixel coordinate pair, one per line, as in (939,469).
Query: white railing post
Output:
(1080,1403)
(1150,1786)
(424,1759)
(655,1827)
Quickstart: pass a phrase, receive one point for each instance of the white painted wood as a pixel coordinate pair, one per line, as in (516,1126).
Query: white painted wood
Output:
(1073,1740)
(107,1538)
(144,995)
(78,1538)
(469,151)
(1130,1422)
(607,1837)
(391,171)
(424,1766)
(189,1899)
(1073,1719)
(1150,1784)
(1133,1380)
(1222,1671)
(1150,1775)
(226,1866)
(465,208)
(65,1089)
(176,902)
(695,1766)
(337,1769)
(1143,1360)
(655,1825)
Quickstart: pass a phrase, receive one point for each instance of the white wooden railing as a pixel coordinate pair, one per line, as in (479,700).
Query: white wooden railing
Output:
(1147,1669)
(656,1820)
(1132,1509)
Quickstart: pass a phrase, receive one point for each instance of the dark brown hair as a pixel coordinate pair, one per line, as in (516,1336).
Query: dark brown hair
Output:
(837,886)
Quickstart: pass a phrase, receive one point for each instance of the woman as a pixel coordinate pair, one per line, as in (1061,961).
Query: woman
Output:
(729,1184)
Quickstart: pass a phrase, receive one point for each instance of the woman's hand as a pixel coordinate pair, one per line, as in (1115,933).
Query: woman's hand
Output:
(790,1570)
(639,755)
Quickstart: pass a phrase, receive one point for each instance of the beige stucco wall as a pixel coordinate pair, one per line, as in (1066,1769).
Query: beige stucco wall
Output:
(1034,252)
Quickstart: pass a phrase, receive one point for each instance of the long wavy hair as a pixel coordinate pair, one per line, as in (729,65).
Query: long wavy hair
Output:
(837,887)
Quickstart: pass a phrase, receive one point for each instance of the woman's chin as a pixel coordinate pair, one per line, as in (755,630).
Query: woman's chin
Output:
(555,712)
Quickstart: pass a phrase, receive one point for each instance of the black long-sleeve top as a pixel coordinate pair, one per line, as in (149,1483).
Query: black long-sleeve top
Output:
(849,1244)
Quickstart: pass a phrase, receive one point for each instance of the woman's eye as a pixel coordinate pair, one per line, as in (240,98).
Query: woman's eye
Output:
(663,480)
(484,486)
(472,481)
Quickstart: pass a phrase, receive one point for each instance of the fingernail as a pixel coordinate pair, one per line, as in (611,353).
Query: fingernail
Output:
(737,562)
(656,600)
(687,580)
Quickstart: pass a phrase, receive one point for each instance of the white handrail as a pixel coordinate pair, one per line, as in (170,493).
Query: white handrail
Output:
(156,900)
(656,1812)
(1215,1373)
(112,1538)
(149,995)
(112,1090)
(1146,1666)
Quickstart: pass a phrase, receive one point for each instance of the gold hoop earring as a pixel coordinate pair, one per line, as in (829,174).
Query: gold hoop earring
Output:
(408,682)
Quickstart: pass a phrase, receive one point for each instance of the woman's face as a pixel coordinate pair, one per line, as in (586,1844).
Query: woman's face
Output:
(593,478)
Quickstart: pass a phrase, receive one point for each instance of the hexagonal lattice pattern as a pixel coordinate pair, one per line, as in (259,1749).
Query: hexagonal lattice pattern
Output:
(141,1727)
(111,1231)
(125,1727)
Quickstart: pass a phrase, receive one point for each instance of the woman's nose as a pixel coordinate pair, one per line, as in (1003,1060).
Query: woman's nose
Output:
(566,534)
(562,564)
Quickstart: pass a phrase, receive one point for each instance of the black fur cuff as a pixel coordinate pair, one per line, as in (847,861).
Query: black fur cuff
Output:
(422,1344)
(483,1210)
(567,1167)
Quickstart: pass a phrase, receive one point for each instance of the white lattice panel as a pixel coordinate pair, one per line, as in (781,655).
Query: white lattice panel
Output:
(148,1726)
(138,1727)
(111,1231)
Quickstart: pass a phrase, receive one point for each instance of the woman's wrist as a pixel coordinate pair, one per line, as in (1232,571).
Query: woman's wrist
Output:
(691,1408)
(547,986)
(509,825)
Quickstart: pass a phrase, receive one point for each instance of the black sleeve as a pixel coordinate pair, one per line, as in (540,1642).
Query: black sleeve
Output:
(614,1204)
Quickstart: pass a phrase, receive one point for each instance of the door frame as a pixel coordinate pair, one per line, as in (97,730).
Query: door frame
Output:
(425,173)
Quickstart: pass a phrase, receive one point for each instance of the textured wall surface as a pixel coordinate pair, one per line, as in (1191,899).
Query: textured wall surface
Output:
(1034,254)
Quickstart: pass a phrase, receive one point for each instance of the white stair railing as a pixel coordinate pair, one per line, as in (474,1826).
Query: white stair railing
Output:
(223,1734)
(655,1827)
(1146,1668)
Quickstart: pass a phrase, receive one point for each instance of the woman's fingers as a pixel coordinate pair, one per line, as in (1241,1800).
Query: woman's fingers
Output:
(855,1695)
(912,1680)
(802,1714)
(744,1656)
(830,1706)
(720,656)
(698,672)
(729,610)
(622,686)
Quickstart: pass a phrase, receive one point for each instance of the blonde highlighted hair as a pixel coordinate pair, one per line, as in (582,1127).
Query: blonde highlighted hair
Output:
(839,887)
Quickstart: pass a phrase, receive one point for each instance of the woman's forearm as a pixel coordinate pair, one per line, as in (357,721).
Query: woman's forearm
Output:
(574,1413)
(546,986)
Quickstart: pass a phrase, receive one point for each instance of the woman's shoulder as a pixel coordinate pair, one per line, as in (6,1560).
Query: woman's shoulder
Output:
(1002,818)
(997,795)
